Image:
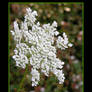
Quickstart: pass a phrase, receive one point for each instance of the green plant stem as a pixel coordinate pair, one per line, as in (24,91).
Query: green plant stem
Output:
(22,81)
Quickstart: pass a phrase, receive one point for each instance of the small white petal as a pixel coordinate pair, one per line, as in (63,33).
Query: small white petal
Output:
(70,45)
(54,24)
(56,33)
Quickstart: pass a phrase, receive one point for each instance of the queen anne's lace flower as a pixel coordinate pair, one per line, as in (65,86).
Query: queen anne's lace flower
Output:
(35,46)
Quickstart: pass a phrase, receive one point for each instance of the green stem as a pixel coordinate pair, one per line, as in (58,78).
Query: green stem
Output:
(22,81)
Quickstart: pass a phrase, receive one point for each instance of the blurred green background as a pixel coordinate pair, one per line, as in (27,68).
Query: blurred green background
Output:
(69,19)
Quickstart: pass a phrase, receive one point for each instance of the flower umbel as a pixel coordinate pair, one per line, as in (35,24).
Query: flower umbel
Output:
(35,46)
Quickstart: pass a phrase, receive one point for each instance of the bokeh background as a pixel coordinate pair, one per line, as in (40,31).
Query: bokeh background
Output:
(69,19)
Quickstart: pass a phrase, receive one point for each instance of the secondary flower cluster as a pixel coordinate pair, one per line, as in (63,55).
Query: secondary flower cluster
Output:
(35,45)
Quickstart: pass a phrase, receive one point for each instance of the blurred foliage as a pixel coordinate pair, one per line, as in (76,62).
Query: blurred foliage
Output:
(69,19)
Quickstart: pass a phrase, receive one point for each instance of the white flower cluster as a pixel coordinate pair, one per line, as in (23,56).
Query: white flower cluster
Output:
(62,42)
(35,46)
